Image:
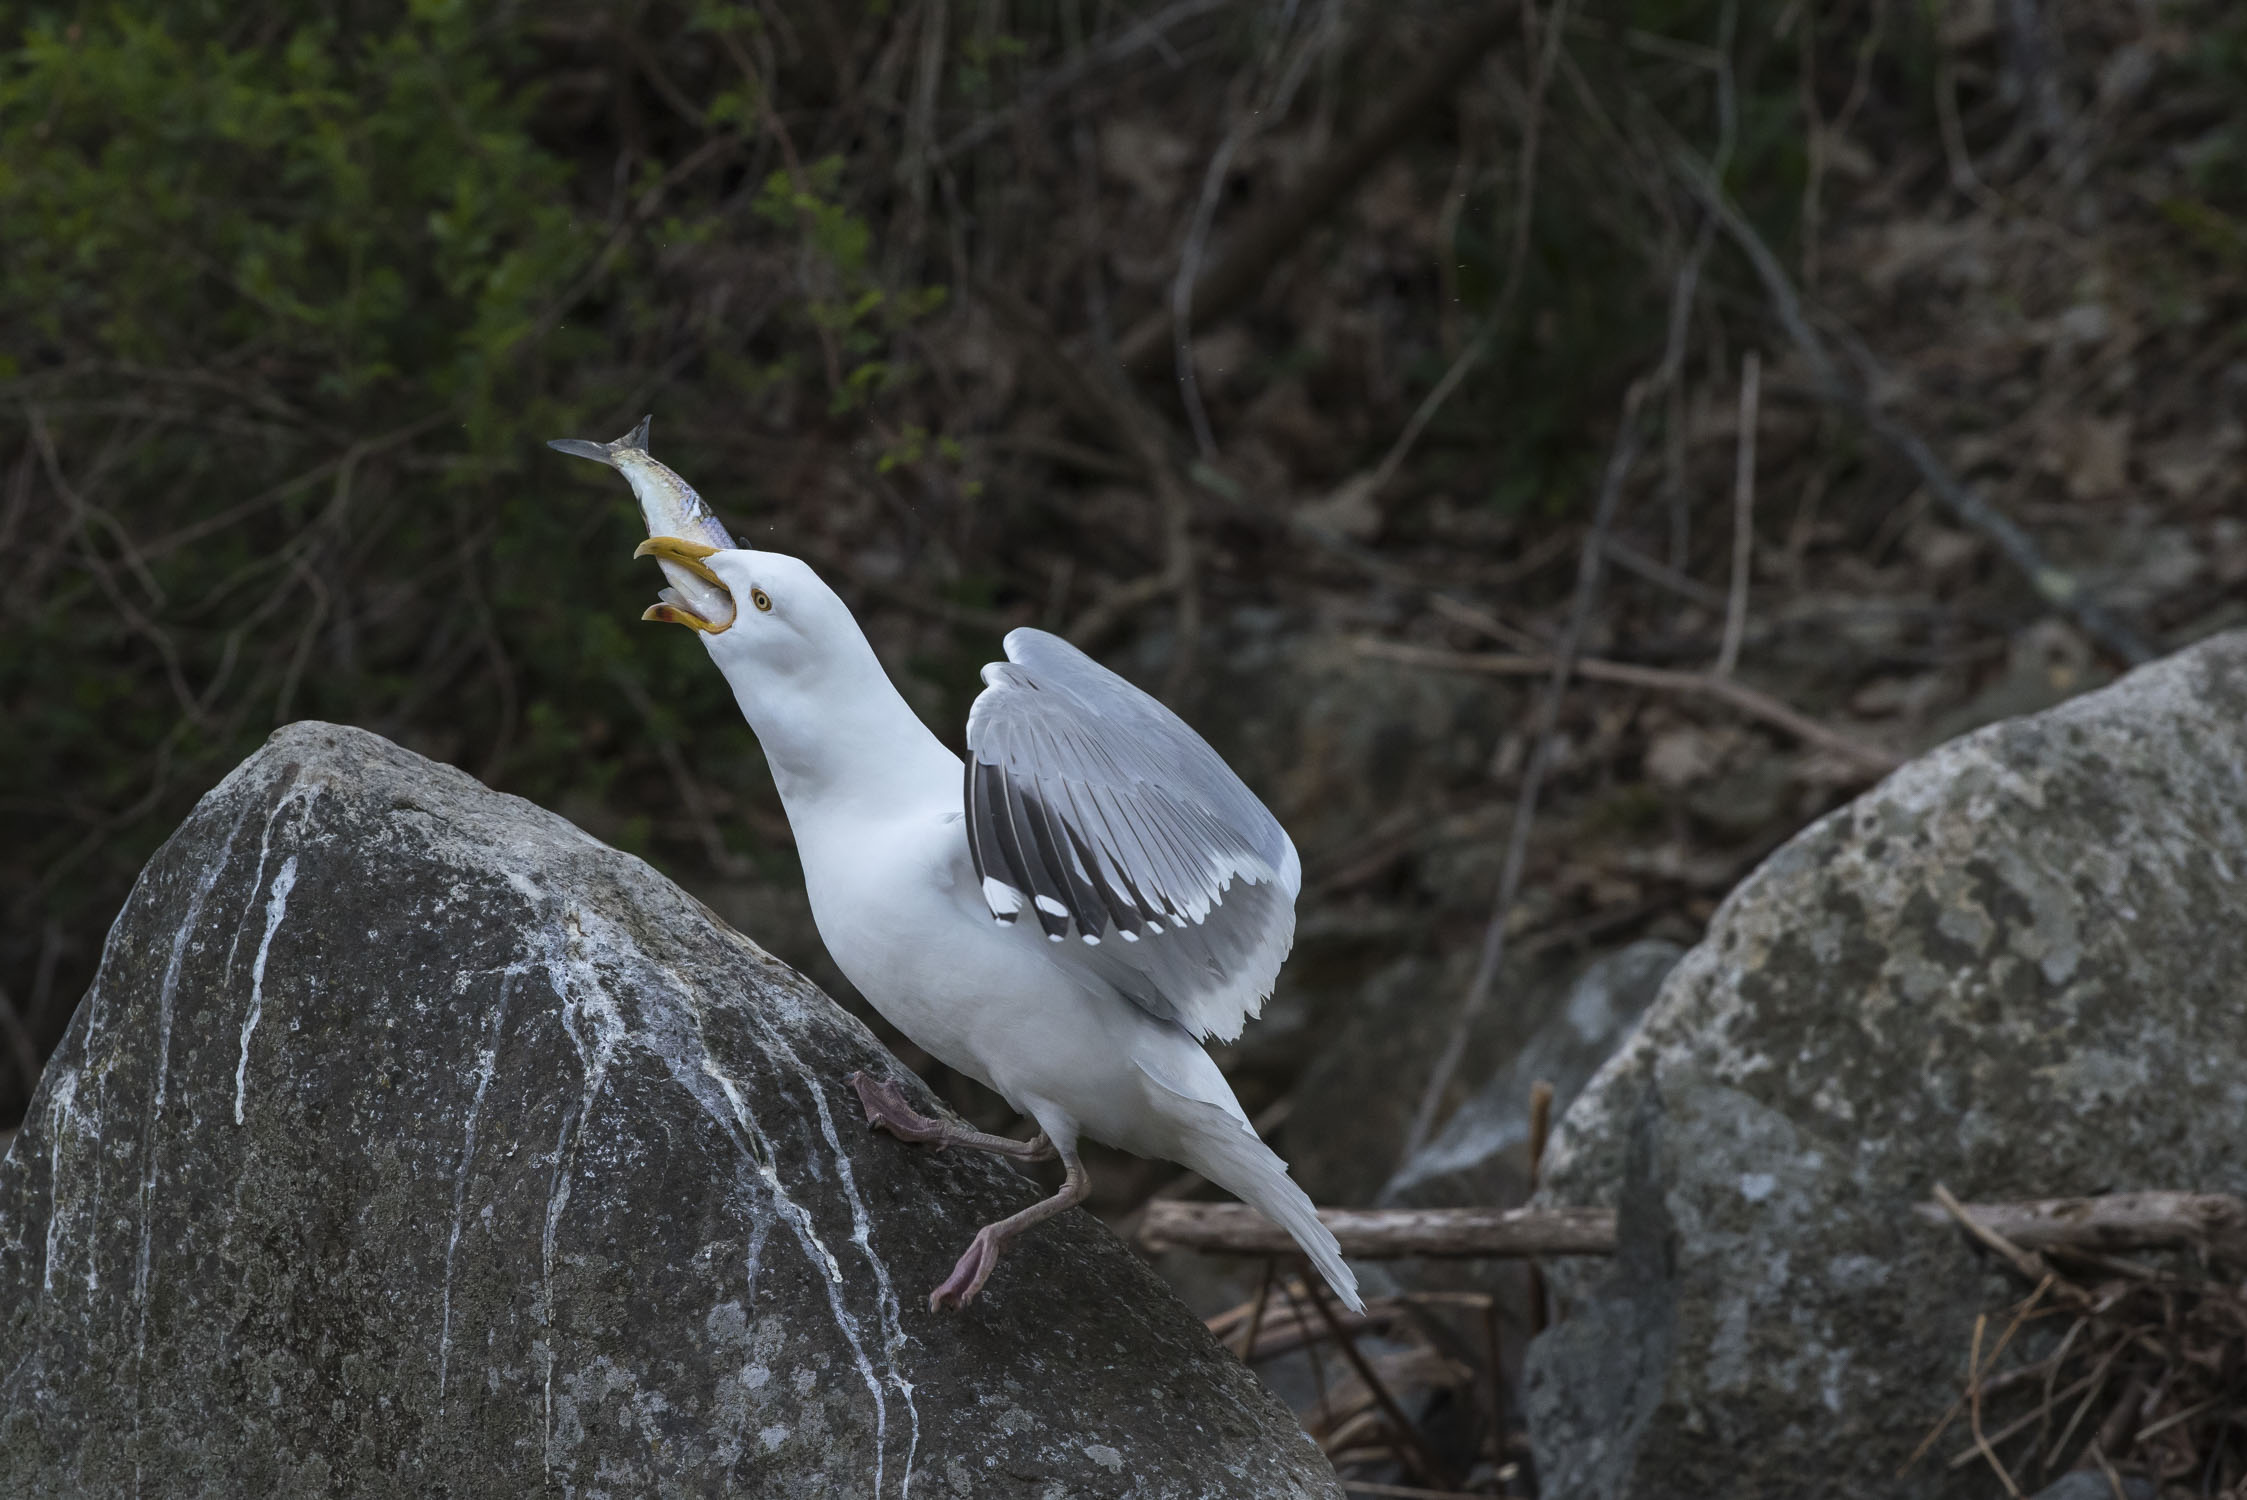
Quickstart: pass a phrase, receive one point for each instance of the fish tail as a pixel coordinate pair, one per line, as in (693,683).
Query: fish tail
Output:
(635,441)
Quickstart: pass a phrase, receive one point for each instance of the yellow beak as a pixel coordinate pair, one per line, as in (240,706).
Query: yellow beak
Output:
(686,554)
(678,552)
(669,614)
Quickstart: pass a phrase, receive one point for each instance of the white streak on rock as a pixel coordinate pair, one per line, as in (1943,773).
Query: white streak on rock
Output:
(276,907)
(166,992)
(759,1230)
(799,1219)
(65,1095)
(588,961)
(487,1062)
(594,1054)
(862,1235)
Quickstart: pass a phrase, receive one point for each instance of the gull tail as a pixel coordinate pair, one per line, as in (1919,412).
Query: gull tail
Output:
(1228,1153)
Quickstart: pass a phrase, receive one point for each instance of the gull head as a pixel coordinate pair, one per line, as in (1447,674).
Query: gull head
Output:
(786,621)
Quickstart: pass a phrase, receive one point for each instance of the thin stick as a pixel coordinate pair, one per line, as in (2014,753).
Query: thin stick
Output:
(1310,1345)
(2053,1365)
(2013,1428)
(2098,1379)
(1189,271)
(1497,1414)
(1630,559)
(1540,1131)
(1271,108)
(2028,1263)
(1406,1431)
(1487,962)
(2107,1469)
(1532,132)
(1430,404)
(1974,1418)
(1974,1371)
(1256,1311)
(1743,518)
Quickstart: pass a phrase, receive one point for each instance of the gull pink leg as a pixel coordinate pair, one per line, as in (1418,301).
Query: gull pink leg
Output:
(885,1106)
(982,1255)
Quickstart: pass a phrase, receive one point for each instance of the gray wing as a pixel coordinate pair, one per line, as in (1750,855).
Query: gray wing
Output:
(1096,810)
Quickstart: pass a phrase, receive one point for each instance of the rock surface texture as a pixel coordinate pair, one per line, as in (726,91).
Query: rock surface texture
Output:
(413,1142)
(2019,968)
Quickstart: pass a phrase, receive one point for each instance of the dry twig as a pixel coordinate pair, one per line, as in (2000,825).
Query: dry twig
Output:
(1743,519)
(1411,1443)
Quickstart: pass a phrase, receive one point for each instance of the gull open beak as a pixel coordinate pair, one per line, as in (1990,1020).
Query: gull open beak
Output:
(671,614)
(677,552)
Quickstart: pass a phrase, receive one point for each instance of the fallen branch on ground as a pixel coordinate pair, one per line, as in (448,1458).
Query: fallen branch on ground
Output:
(2119,1221)
(2213,1222)
(1387,1233)
(2152,1357)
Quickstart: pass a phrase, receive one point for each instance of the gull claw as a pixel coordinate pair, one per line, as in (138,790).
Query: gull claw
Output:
(967,1278)
(886,1109)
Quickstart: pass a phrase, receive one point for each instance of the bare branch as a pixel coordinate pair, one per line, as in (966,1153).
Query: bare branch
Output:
(1743,519)
(1387,1233)
(2212,1222)
(1271,235)
(2060,588)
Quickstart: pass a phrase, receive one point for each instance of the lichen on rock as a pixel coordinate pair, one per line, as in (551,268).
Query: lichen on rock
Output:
(2018,968)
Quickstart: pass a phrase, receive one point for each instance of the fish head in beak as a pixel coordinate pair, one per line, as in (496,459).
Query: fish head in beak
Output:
(699,598)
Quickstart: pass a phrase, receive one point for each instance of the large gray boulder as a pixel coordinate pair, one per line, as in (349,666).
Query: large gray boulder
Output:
(412,1142)
(2018,967)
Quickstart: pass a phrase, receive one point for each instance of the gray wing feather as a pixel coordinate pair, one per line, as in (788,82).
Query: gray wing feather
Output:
(1130,841)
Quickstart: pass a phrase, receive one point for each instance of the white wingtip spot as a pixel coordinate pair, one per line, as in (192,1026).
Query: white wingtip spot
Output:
(1053,937)
(1090,941)
(1128,935)
(1051,907)
(1003,899)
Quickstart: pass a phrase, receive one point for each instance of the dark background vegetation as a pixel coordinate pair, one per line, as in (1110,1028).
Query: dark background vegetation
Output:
(291,295)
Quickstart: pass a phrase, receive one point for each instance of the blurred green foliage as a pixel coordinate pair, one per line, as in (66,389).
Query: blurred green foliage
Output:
(292,301)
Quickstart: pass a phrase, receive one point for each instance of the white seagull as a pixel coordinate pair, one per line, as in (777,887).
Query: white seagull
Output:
(1062,919)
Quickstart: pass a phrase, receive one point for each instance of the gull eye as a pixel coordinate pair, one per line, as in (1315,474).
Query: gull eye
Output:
(761,599)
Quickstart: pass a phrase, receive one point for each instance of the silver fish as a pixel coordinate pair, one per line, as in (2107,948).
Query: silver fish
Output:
(671,508)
